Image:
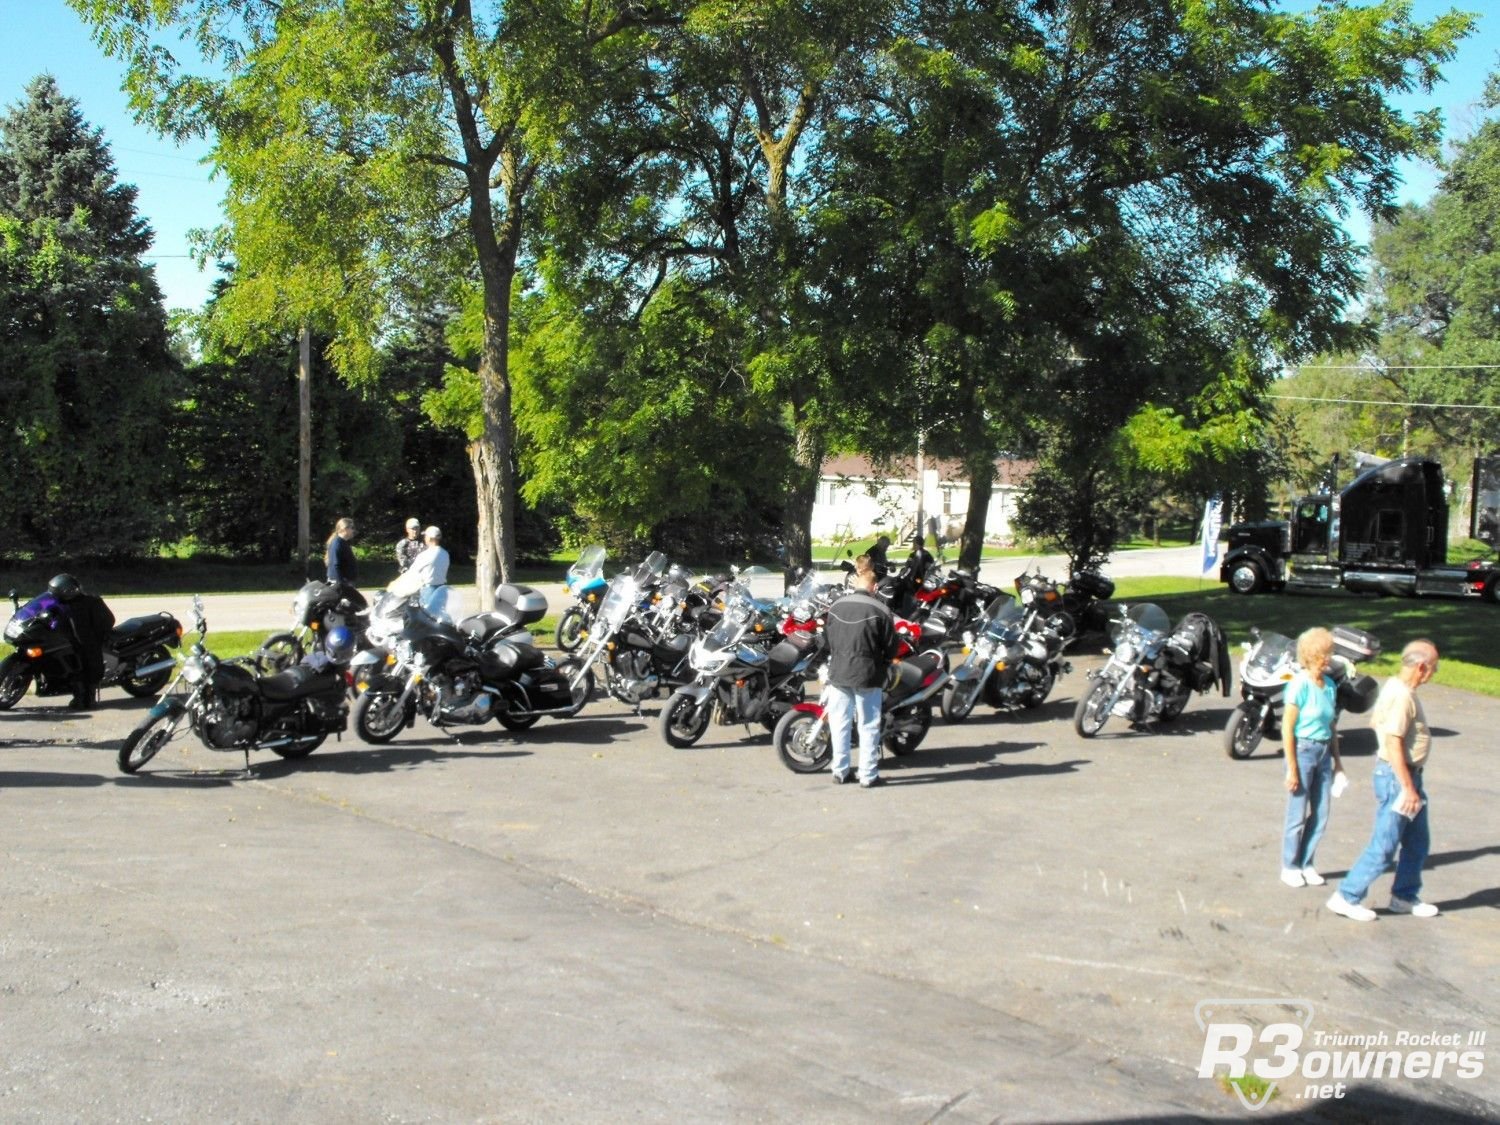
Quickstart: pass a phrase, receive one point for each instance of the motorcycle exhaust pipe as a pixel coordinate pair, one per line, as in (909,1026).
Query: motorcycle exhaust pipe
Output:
(151,669)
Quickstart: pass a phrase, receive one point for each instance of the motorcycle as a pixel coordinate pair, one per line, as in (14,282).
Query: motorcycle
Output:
(637,660)
(1153,669)
(804,743)
(135,654)
(234,705)
(1012,658)
(744,674)
(585,583)
(1270,663)
(318,609)
(485,667)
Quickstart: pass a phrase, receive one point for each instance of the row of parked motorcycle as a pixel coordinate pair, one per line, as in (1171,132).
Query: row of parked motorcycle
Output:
(722,654)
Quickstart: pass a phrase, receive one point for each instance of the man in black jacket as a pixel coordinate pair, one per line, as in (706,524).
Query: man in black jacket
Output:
(89,620)
(861,641)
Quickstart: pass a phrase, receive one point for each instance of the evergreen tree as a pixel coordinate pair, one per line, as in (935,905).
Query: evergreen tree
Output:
(85,370)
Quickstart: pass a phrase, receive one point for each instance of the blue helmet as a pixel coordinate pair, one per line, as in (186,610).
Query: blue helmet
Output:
(339,643)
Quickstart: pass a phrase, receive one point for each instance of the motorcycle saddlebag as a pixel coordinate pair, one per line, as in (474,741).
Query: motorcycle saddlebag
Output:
(1357,695)
(521,604)
(510,657)
(1092,583)
(1355,644)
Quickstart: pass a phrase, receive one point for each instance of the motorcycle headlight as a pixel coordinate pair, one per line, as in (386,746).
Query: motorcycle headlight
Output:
(13,629)
(196,669)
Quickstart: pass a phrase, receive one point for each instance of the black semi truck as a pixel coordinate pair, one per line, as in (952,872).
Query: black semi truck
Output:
(1385,533)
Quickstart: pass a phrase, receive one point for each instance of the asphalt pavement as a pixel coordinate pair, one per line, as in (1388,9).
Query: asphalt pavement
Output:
(580,924)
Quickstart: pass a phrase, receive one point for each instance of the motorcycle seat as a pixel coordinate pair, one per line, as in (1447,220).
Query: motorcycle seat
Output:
(133,627)
(300,681)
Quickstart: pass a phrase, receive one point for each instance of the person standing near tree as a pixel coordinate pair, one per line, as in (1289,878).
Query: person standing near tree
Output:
(1400,799)
(862,639)
(409,547)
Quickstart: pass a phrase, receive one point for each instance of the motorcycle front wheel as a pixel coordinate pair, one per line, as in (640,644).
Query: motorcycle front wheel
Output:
(959,700)
(378,716)
(802,742)
(1092,711)
(140,687)
(683,721)
(143,743)
(570,629)
(15,678)
(1243,733)
(903,741)
(585,689)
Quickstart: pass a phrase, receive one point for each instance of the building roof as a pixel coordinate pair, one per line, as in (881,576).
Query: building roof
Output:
(1009,471)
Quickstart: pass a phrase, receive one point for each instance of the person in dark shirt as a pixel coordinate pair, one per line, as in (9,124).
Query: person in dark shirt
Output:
(410,547)
(862,639)
(343,570)
(877,557)
(89,620)
(919,561)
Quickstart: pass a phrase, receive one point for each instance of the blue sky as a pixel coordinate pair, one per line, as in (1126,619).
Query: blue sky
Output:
(178,194)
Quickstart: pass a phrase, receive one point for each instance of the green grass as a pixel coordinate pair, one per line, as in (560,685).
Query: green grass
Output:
(1462,628)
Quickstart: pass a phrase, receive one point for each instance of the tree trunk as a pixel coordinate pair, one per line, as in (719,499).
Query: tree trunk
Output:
(802,492)
(981,488)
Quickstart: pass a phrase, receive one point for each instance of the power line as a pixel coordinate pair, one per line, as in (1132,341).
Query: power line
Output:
(1386,402)
(1399,367)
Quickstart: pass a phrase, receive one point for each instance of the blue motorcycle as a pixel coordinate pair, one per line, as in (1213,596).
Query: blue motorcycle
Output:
(585,583)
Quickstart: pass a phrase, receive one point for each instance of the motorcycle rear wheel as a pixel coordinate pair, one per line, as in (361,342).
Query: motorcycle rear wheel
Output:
(683,721)
(149,685)
(1092,711)
(279,652)
(570,629)
(378,716)
(1242,734)
(15,679)
(1038,694)
(802,742)
(143,743)
(903,742)
(1171,708)
(959,700)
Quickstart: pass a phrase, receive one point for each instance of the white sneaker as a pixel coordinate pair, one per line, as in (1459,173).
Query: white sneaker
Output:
(1292,877)
(1415,909)
(1341,905)
(1311,877)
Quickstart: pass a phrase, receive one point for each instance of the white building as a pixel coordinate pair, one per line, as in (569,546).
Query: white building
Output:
(856,499)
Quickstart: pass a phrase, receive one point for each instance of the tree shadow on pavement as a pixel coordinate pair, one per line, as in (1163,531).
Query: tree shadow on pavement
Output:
(39,779)
(375,759)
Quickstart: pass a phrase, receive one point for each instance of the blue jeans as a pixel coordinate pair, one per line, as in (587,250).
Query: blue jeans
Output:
(844,707)
(1307,809)
(1393,832)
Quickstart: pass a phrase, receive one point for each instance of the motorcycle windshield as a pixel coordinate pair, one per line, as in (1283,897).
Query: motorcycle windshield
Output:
(1273,653)
(589,566)
(1147,617)
(651,568)
(617,605)
(39,606)
(739,614)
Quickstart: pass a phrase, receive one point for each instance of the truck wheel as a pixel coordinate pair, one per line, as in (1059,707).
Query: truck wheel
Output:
(1246,578)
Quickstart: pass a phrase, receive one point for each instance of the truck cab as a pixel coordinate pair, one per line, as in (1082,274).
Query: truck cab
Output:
(1386,532)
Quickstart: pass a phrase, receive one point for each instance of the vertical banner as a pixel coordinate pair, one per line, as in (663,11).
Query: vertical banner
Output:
(1213,521)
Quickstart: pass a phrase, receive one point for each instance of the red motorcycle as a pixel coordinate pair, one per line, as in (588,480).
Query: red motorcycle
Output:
(804,743)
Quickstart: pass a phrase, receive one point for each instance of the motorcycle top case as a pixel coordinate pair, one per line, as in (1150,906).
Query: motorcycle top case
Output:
(1092,583)
(1355,644)
(1357,695)
(520,604)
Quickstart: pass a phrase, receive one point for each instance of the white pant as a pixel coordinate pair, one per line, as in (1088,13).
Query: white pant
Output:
(843,708)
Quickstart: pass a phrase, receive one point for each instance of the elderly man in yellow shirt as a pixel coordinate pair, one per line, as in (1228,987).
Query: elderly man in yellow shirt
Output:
(1401,801)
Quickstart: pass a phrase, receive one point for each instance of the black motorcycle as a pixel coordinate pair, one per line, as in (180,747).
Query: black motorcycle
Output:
(135,655)
(318,609)
(485,667)
(637,656)
(234,705)
(1011,658)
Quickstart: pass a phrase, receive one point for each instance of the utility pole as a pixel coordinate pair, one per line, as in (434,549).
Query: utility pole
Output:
(304,446)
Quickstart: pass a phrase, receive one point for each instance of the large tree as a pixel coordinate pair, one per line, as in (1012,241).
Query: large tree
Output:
(85,371)
(384,153)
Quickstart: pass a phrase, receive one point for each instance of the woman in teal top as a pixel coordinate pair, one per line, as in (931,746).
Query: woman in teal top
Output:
(1312,757)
